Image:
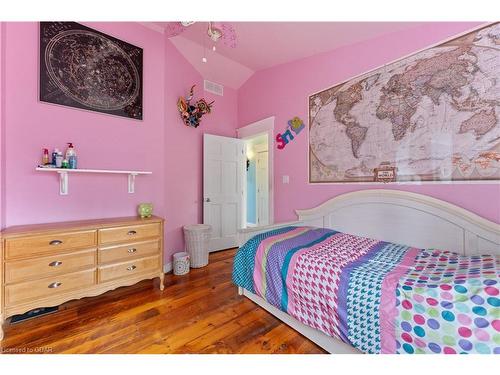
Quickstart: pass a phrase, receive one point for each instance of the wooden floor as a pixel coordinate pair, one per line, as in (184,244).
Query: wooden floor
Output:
(197,313)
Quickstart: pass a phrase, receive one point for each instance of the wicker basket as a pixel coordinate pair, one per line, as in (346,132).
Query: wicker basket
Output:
(197,237)
(181,263)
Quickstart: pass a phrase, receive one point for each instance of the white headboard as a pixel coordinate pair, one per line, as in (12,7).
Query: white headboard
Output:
(401,217)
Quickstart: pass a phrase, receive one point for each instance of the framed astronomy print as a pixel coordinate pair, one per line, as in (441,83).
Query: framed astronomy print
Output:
(433,116)
(83,68)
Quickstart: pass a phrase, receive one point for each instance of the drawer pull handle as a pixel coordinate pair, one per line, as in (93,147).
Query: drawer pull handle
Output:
(131,268)
(55,242)
(132,250)
(55,263)
(57,284)
(131,233)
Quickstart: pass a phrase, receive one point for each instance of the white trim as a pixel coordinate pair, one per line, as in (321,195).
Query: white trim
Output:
(265,126)
(261,150)
(308,178)
(256,128)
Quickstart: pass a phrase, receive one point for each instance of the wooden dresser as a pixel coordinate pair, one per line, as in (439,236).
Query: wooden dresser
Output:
(48,264)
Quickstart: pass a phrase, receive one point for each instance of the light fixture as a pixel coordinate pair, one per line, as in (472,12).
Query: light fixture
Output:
(204,59)
(213,32)
(250,153)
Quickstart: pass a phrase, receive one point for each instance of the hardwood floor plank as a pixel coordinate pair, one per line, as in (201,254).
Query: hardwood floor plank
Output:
(200,312)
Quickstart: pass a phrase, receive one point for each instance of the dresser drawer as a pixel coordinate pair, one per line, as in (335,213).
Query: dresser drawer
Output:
(122,253)
(129,233)
(47,287)
(127,269)
(48,243)
(20,270)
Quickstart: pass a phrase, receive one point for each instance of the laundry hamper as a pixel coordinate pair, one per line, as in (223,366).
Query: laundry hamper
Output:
(197,237)
(181,263)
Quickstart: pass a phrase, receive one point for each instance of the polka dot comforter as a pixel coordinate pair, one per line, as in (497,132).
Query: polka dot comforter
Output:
(377,296)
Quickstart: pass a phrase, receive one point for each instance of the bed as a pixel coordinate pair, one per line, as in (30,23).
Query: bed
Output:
(379,271)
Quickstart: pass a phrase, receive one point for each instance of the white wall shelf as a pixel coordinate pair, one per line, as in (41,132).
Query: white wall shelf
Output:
(64,173)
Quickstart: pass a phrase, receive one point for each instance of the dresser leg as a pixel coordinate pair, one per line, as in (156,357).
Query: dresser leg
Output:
(1,327)
(162,279)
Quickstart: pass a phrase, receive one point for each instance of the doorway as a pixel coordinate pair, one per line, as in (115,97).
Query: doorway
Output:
(257,181)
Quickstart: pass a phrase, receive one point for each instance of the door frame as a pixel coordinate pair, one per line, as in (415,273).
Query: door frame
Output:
(257,192)
(265,126)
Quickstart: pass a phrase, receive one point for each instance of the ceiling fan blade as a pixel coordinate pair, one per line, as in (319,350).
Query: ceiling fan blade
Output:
(228,34)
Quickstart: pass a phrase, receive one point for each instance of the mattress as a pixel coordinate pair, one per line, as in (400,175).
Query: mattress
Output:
(377,296)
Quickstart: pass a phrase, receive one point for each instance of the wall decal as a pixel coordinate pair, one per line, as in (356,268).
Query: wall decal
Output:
(83,68)
(192,114)
(295,126)
(434,115)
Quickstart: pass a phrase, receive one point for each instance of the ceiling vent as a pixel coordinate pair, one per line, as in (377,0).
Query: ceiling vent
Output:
(213,87)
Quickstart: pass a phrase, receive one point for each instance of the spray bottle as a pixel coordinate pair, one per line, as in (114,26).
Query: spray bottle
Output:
(71,156)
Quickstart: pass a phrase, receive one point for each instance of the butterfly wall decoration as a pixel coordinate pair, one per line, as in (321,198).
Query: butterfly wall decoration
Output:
(191,114)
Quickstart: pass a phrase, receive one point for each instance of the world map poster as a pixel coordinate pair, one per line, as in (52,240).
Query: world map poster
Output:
(433,116)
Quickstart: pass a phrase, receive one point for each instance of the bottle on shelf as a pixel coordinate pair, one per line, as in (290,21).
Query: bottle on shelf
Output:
(71,156)
(54,156)
(45,157)
(64,164)
(59,159)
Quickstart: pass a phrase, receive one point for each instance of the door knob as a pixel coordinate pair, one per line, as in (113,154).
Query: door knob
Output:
(207,200)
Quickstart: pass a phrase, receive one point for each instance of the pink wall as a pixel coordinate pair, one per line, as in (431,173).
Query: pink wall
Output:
(101,141)
(282,91)
(183,182)
(160,143)
(2,124)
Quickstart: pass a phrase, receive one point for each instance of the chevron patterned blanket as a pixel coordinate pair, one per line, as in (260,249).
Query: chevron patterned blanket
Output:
(377,296)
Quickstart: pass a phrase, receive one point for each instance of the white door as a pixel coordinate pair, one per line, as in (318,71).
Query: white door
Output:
(262,177)
(223,171)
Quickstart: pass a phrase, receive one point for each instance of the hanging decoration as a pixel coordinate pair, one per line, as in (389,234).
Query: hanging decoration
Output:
(191,113)
(214,30)
(295,125)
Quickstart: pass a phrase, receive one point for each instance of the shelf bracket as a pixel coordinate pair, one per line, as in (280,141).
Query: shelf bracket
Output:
(131,183)
(63,183)
(64,176)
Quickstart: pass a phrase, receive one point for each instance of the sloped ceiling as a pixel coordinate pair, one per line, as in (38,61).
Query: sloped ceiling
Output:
(261,45)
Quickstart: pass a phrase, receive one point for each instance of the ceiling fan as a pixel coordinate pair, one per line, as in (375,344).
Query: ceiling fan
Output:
(215,31)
